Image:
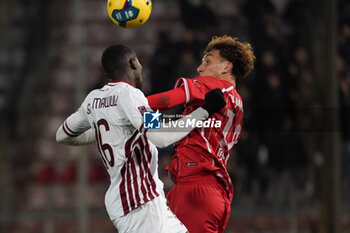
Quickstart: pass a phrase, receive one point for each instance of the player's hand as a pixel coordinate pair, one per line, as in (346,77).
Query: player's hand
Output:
(214,101)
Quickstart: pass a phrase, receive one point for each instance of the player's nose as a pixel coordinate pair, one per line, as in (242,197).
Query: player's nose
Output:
(199,69)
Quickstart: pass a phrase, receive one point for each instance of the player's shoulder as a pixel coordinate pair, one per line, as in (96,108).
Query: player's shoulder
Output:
(212,82)
(234,97)
(128,94)
(92,94)
(128,90)
(205,79)
(204,83)
(121,88)
(196,80)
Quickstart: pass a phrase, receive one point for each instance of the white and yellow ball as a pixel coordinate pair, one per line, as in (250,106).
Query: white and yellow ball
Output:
(129,13)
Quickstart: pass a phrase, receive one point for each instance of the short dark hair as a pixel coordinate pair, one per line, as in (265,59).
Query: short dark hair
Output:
(114,60)
(238,53)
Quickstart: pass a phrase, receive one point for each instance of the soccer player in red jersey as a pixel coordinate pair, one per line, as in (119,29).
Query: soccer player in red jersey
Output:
(202,195)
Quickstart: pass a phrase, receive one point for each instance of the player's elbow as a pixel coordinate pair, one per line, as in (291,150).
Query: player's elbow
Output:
(61,137)
(158,139)
(161,144)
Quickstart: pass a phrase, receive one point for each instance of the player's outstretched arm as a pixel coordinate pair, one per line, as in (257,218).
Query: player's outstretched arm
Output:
(167,99)
(214,101)
(85,138)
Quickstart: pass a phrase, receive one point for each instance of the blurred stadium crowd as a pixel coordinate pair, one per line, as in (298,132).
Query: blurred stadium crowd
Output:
(275,166)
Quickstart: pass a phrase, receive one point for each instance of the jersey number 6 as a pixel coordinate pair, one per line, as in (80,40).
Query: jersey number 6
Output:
(102,148)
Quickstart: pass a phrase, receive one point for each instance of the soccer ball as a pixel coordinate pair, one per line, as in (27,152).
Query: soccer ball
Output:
(129,13)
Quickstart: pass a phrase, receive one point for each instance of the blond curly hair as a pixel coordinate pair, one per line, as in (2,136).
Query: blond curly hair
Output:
(240,54)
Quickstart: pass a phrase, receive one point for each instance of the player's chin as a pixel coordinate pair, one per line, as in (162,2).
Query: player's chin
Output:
(205,74)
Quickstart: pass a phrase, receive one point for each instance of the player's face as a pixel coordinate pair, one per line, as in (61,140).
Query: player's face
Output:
(213,65)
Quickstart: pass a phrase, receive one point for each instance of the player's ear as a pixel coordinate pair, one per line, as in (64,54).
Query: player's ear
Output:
(132,63)
(228,67)
(107,76)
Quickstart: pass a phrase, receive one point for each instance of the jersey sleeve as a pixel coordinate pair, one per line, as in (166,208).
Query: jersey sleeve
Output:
(195,89)
(134,103)
(167,99)
(76,123)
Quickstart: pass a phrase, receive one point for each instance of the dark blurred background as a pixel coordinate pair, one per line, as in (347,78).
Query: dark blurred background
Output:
(291,166)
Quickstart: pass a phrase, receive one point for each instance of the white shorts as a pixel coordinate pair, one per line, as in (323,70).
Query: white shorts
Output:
(152,217)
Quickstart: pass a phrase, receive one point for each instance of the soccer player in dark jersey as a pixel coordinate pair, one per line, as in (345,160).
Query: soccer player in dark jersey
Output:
(202,195)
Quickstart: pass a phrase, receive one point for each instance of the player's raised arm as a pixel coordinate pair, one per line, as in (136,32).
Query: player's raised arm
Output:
(214,101)
(167,99)
(132,105)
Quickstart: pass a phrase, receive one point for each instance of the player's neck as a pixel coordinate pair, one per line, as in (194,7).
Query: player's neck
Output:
(129,78)
(230,79)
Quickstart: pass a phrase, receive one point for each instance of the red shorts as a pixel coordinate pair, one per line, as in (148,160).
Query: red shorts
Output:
(201,204)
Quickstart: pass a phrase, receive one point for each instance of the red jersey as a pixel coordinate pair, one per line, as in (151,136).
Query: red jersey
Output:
(206,149)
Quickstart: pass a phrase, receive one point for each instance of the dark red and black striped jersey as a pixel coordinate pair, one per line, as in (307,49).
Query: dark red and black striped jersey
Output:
(115,112)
